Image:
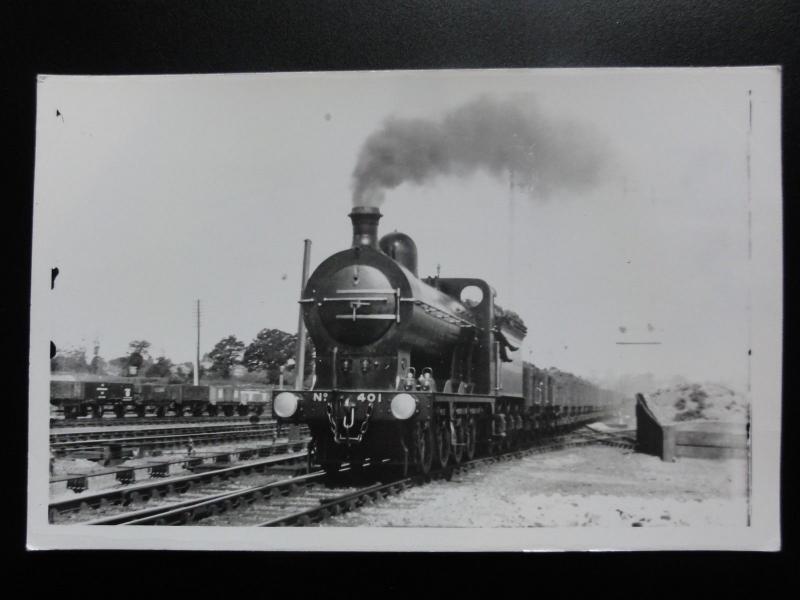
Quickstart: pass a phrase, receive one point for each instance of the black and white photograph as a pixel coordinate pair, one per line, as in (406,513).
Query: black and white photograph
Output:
(500,309)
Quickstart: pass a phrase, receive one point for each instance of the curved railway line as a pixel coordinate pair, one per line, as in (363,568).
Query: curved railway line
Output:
(314,497)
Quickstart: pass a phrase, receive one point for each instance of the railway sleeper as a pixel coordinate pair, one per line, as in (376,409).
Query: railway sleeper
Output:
(158,470)
(78,484)
(126,477)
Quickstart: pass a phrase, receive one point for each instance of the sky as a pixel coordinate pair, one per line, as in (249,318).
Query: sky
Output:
(154,191)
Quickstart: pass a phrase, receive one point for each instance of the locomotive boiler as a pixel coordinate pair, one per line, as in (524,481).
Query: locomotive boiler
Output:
(415,372)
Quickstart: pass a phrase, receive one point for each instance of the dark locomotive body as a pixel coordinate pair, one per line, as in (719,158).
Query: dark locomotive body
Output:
(413,372)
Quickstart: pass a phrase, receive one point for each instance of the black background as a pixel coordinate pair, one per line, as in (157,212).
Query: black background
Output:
(205,36)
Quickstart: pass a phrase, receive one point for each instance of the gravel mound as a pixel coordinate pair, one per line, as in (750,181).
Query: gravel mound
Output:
(694,401)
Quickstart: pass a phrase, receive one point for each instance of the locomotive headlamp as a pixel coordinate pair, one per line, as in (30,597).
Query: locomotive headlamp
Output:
(404,406)
(285,404)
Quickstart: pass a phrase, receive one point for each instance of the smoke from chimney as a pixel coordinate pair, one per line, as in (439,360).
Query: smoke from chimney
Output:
(484,135)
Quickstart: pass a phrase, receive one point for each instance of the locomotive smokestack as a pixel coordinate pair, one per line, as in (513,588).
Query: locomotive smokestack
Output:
(365,225)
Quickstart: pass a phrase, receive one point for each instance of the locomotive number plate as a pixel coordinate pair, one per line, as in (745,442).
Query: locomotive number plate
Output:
(361,397)
(369,397)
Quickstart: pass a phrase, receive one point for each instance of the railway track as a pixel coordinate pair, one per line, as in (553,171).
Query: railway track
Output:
(80,482)
(61,423)
(115,505)
(77,436)
(313,498)
(144,443)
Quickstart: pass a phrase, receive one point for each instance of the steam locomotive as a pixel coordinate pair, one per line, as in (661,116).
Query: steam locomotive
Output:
(419,372)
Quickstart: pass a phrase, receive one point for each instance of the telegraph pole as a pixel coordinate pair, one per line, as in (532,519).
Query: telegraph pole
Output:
(196,378)
(511,257)
(300,359)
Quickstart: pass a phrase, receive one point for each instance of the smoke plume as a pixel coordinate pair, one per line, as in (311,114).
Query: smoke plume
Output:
(502,138)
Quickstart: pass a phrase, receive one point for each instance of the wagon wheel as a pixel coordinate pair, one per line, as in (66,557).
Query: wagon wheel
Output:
(119,411)
(213,410)
(97,411)
(140,410)
(443,442)
(458,442)
(470,439)
(160,411)
(423,447)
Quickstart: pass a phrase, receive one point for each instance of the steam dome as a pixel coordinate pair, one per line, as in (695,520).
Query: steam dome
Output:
(401,248)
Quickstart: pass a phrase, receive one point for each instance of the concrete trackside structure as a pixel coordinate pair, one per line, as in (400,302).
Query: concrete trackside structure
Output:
(698,439)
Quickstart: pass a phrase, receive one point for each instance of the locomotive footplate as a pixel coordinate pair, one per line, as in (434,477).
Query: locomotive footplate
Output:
(350,413)
(350,408)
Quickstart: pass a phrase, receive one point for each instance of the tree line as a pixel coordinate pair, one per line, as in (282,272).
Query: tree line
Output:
(262,359)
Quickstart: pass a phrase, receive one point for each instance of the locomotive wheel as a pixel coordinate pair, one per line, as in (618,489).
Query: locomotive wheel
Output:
(460,438)
(423,447)
(470,439)
(443,444)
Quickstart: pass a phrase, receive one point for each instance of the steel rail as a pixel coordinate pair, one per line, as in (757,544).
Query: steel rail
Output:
(61,423)
(163,441)
(161,468)
(215,504)
(161,488)
(340,504)
(97,436)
